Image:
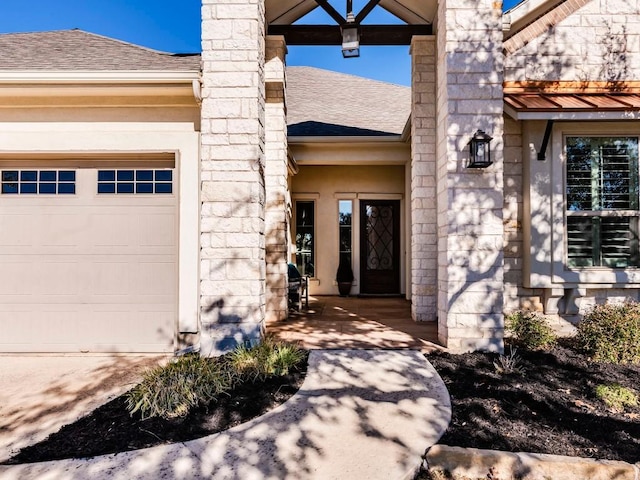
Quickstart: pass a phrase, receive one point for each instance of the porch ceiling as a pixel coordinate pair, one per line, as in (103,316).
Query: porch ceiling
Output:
(413,12)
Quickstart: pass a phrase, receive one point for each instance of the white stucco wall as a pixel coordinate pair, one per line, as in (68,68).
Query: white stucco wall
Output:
(326,185)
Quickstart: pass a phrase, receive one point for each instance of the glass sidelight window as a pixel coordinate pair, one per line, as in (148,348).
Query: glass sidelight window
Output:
(305,237)
(345,219)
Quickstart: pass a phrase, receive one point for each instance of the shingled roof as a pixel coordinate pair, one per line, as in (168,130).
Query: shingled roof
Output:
(319,102)
(79,50)
(325,103)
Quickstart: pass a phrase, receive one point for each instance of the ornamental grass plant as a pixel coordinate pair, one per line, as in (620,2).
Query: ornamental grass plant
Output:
(172,390)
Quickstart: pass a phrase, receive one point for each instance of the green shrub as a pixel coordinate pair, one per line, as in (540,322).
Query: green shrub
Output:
(531,330)
(617,397)
(267,359)
(611,333)
(173,389)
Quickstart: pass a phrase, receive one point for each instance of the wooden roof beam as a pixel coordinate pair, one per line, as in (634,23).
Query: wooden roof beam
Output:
(315,35)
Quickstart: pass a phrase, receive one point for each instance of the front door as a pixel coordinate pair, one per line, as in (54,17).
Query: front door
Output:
(380,247)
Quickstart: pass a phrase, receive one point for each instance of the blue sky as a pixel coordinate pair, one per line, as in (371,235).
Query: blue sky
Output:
(174,26)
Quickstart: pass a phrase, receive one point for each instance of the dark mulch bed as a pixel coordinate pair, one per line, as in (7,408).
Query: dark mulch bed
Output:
(550,408)
(110,428)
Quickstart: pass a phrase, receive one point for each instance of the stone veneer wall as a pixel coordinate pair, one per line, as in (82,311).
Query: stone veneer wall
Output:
(424,249)
(276,179)
(469,202)
(232,257)
(589,41)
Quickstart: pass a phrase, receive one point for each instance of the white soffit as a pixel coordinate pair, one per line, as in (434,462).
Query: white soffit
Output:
(286,12)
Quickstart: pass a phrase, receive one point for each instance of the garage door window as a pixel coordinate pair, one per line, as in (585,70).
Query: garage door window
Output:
(135,181)
(33,182)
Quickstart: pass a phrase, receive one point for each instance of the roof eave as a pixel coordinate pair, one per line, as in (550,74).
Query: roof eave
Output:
(98,76)
(525,13)
(591,115)
(353,140)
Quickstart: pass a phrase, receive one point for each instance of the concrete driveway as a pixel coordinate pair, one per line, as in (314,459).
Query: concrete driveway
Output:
(40,394)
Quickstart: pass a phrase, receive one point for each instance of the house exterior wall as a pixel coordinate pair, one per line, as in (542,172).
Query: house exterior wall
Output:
(424,235)
(469,203)
(516,296)
(326,185)
(599,40)
(85,114)
(593,41)
(276,171)
(232,222)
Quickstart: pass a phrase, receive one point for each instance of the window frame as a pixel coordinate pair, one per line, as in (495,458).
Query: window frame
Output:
(345,227)
(38,182)
(544,222)
(135,181)
(597,210)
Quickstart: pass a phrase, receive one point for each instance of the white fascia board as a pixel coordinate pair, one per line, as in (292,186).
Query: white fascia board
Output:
(522,9)
(511,112)
(353,141)
(577,116)
(526,12)
(93,76)
(350,151)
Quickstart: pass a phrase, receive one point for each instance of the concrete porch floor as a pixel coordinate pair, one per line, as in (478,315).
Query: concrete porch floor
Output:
(357,323)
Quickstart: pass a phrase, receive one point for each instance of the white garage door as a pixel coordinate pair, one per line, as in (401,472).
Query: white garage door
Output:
(89,258)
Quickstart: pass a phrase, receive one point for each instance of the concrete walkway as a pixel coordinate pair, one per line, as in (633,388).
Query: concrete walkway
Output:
(360,414)
(41,393)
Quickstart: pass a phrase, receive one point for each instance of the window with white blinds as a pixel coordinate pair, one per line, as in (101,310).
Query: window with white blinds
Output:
(602,201)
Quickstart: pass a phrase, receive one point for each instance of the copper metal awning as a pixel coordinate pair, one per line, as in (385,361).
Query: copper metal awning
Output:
(572,100)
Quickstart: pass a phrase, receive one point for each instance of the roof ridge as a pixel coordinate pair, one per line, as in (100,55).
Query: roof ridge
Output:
(131,44)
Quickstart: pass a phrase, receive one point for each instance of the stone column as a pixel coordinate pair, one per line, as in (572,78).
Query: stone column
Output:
(232,257)
(276,179)
(424,263)
(470,201)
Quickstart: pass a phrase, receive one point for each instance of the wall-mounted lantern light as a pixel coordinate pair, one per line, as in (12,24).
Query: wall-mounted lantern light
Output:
(350,38)
(480,150)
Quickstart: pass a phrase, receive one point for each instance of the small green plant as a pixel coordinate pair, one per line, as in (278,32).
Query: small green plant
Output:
(172,390)
(507,364)
(269,358)
(611,333)
(617,397)
(531,330)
